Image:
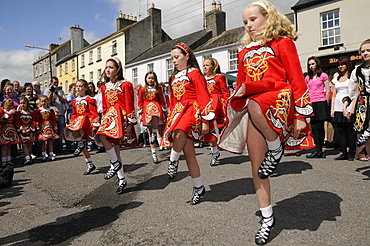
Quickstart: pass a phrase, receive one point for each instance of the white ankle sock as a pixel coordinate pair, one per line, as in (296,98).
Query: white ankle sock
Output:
(153,151)
(274,144)
(112,155)
(27,157)
(197,182)
(174,155)
(214,150)
(159,140)
(88,160)
(266,213)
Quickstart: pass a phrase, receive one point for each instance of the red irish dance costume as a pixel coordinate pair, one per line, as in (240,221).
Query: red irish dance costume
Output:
(151,104)
(190,105)
(270,75)
(118,113)
(47,124)
(26,126)
(217,88)
(84,119)
(8,132)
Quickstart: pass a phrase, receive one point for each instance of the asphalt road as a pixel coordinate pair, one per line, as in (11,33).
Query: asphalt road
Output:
(316,202)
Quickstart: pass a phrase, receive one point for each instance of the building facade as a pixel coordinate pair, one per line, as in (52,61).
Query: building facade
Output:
(330,29)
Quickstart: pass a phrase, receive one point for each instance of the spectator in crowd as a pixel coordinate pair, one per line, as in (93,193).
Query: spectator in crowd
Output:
(56,98)
(29,94)
(4,82)
(9,93)
(37,89)
(318,84)
(346,133)
(17,92)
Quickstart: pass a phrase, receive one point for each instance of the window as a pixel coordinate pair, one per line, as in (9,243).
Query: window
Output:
(233,59)
(66,68)
(66,86)
(134,76)
(36,71)
(91,57)
(60,70)
(83,76)
(41,69)
(98,55)
(169,68)
(73,64)
(91,77)
(82,60)
(150,67)
(114,47)
(99,74)
(330,28)
(45,66)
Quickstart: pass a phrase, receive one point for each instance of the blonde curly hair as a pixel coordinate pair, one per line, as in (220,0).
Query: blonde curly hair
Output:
(277,25)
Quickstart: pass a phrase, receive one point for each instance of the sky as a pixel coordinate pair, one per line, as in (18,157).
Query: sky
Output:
(41,22)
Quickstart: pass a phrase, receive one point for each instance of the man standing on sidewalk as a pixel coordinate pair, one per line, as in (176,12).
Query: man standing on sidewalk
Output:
(56,97)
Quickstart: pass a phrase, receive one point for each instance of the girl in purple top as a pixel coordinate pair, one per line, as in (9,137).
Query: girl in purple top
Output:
(317,81)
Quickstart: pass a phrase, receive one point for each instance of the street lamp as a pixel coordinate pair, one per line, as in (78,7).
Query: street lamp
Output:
(35,47)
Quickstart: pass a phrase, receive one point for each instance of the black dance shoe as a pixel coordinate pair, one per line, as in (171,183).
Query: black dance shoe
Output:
(112,171)
(270,162)
(197,194)
(172,169)
(121,187)
(90,167)
(80,146)
(263,234)
(214,159)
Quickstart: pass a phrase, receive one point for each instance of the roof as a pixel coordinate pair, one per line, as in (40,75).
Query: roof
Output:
(306,3)
(228,37)
(193,40)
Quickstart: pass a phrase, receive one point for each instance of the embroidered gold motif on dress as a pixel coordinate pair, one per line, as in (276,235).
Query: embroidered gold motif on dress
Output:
(281,109)
(81,107)
(151,94)
(178,87)
(211,83)
(256,62)
(110,123)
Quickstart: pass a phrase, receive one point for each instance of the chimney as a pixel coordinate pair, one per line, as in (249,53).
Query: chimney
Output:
(53,46)
(216,19)
(125,20)
(155,25)
(77,38)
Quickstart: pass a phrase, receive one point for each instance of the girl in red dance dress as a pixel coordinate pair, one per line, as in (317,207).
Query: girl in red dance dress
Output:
(47,127)
(190,115)
(84,122)
(217,88)
(271,102)
(8,132)
(27,127)
(151,106)
(118,118)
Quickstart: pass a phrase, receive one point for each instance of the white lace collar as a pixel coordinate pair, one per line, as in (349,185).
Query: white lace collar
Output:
(184,72)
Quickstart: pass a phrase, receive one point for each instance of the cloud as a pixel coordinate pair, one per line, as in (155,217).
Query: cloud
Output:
(98,19)
(90,37)
(17,64)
